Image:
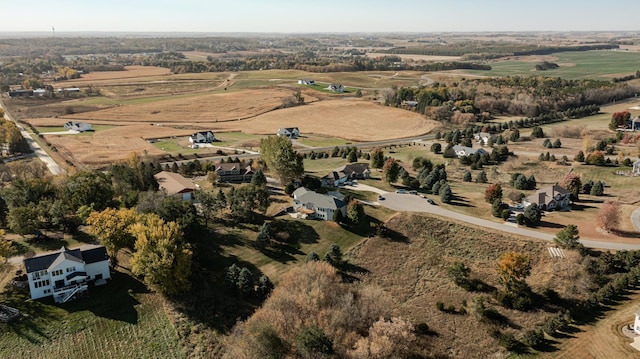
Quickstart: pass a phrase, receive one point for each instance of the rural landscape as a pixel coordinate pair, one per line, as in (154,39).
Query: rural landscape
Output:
(400,195)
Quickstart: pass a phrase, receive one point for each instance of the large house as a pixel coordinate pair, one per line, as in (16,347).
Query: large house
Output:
(636,323)
(347,172)
(306,82)
(291,132)
(467,151)
(336,88)
(636,168)
(309,204)
(234,172)
(77,126)
(483,137)
(173,184)
(202,137)
(549,198)
(67,273)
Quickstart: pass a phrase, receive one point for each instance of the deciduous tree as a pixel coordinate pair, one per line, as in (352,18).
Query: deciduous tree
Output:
(280,158)
(161,256)
(512,268)
(390,170)
(493,192)
(111,226)
(573,184)
(609,215)
(355,212)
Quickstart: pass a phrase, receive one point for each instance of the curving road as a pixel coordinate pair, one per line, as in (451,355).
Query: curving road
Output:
(413,203)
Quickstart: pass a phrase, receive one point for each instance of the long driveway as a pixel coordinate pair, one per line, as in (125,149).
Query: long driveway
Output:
(35,147)
(413,203)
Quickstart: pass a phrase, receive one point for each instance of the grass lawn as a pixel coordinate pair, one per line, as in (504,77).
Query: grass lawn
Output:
(118,320)
(322,141)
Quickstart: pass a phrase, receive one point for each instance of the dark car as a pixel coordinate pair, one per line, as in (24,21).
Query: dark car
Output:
(430,201)
(380,198)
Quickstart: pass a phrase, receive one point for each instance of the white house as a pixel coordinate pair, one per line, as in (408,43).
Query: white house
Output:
(636,323)
(482,137)
(343,173)
(336,88)
(306,82)
(636,168)
(549,198)
(291,132)
(173,184)
(202,137)
(467,151)
(66,273)
(77,126)
(309,204)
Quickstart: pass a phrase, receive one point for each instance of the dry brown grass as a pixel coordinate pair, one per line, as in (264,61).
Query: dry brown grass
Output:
(604,339)
(130,72)
(210,108)
(415,274)
(350,119)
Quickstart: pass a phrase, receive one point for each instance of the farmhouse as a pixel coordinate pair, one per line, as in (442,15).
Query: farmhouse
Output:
(291,132)
(467,151)
(636,168)
(549,198)
(636,323)
(309,204)
(343,173)
(77,126)
(202,137)
(483,137)
(69,90)
(66,273)
(336,88)
(234,172)
(174,184)
(306,82)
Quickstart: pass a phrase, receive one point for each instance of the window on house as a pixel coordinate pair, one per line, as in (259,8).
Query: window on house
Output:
(71,269)
(47,291)
(57,272)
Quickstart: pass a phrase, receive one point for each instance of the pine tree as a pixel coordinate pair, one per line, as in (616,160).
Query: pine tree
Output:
(467,176)
(259,179)
(496,208)
(264,236)
(568,237)
(245,281)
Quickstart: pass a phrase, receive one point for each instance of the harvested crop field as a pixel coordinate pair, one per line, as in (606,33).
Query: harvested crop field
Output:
(112,145)
(354,120)
(130,72)
(227,106)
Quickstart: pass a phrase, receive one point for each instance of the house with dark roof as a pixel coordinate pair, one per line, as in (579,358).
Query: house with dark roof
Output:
(347,172)
(67,273)
(549,198)
(309,204)
(202,137)
(234,172)
(291,132)
(336,88)
(77,126)
(173,184)
(467,151)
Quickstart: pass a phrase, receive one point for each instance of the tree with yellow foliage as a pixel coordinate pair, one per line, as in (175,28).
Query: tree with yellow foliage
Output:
(161,255)
(111,226)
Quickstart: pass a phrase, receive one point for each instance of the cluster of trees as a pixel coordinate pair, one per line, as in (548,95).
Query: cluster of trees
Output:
(240,280)
(279,157)
(546,65)
(312,314)
(520,181)
(627,78)
(548,144)
(160,253)
(10,137)
(483,50)
(619,120)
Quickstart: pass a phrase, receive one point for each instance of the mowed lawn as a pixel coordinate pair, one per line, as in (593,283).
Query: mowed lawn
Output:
(118,320)
(599,64)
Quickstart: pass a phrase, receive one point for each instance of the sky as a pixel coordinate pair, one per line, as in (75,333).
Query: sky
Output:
(312,16)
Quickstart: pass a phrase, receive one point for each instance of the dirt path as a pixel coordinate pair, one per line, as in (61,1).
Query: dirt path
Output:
(604,339)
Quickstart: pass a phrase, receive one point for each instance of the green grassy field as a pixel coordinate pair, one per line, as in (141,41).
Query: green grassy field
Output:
(322,141)
(573,65)
(118,320)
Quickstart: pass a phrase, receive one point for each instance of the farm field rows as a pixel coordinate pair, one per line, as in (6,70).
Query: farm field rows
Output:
(119,320)
(573,65)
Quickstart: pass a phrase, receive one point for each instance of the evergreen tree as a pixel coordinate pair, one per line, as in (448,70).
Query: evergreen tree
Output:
(264,236)
(496,208)
(597,189)
(312,257)
(568,237)
(377,158)
(446,195)
(259,179)
(352,157)
(245,281)
(532,214)
(467,176)
(265,286)
(481,177)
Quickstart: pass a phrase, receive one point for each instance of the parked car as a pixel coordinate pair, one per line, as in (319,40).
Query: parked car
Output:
(413,192)
(430,201)
(380,198)
(401,191)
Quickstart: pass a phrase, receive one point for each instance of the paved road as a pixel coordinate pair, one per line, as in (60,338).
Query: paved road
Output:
(35,147)
(635,219)
(413,203)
